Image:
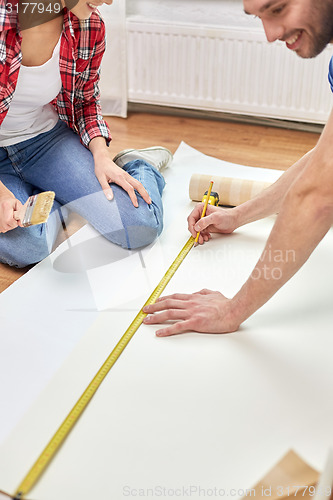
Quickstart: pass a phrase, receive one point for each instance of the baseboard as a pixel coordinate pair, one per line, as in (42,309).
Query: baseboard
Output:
(231,117)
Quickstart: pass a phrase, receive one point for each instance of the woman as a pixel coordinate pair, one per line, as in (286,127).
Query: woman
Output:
(53,137)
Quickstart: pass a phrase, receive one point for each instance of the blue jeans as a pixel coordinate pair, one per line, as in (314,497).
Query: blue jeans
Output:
(57,161)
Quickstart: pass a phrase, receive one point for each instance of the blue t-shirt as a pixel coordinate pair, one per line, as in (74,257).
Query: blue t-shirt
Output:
(330,73)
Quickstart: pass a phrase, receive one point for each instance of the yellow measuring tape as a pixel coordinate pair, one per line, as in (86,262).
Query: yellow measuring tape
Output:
(59,437)
(61,434)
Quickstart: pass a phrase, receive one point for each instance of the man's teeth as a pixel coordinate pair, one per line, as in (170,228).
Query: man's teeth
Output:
(92,6)
(293,40)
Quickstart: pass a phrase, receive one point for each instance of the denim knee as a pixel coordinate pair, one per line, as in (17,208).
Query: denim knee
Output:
(139,230)
(22,247)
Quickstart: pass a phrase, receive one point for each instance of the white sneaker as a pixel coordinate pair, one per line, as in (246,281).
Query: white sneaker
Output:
(157,156)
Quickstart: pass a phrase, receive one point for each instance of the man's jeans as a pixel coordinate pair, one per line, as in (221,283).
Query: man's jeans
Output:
(57,161)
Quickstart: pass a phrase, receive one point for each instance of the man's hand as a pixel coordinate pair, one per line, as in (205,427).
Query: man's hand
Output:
(205,312)
(216,220)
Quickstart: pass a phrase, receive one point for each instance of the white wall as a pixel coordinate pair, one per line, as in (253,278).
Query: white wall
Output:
(209,12)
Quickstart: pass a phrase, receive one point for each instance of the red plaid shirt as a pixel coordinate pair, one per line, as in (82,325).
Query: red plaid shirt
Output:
(81,52)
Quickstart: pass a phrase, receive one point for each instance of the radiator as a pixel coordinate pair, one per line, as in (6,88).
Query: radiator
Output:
(225,70)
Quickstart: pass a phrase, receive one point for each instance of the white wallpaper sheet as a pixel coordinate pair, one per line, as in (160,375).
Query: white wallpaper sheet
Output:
(191,411)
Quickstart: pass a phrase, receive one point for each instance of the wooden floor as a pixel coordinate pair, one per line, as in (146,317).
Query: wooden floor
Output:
(261,146)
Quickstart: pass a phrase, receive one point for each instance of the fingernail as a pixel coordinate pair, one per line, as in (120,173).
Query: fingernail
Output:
(145,309)
(147,319)
(109,196)
(160,333)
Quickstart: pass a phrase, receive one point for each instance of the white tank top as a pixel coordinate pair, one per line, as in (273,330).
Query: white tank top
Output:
(30,113)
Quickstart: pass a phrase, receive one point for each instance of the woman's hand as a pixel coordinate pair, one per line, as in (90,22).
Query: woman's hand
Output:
(216,220)
(8,205)
(107,171)
(205,311)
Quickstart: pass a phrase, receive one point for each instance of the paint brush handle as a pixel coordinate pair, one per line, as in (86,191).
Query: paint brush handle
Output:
(20,212)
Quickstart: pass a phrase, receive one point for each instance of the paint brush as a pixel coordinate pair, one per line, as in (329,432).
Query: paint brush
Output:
(36,209)
(204,210)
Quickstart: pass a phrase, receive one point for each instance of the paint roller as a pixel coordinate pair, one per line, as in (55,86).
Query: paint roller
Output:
(232,191)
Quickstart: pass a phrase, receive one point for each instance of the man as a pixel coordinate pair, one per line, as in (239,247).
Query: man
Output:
(302,197)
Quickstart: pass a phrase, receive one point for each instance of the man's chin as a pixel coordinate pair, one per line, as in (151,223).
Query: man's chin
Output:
(309,54)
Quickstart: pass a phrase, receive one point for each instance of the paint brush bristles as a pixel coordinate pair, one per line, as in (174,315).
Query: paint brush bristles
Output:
(38,208)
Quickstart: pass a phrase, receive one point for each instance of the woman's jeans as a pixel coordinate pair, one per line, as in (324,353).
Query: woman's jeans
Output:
(57,161)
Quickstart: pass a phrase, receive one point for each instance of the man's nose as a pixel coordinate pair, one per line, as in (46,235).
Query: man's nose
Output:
(273,30)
